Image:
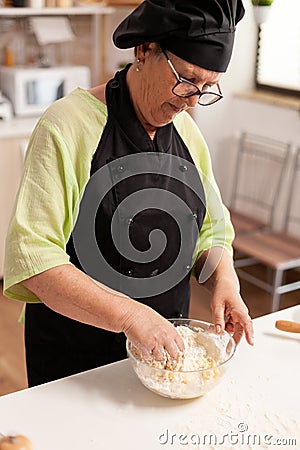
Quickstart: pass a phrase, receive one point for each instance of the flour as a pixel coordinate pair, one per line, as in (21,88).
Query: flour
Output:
(200,350)
(187,377)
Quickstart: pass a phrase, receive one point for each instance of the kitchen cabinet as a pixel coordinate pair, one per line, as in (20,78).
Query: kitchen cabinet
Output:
(256,404)
(12,145)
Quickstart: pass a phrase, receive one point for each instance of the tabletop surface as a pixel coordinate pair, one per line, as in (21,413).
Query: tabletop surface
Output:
(256,405)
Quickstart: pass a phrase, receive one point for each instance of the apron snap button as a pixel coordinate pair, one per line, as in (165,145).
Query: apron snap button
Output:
(183,168)
(129,273)
(120,169)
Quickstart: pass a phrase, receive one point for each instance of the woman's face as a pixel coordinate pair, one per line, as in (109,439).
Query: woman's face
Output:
(151,91)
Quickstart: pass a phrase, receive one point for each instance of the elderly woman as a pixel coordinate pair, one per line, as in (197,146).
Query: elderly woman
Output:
(126,161)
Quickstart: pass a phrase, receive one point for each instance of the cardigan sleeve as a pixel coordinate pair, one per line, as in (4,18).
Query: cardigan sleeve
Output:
(57,168)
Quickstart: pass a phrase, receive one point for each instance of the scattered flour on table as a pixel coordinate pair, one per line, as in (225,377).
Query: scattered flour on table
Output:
(249,419)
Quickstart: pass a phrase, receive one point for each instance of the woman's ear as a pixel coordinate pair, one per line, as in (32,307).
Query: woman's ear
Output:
(143,49)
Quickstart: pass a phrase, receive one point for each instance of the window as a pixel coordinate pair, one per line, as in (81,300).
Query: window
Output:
(278,50)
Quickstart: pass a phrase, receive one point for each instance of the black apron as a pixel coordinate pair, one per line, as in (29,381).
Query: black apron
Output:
(57,346)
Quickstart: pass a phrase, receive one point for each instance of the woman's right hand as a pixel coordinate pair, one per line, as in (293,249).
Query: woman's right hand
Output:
(152,334)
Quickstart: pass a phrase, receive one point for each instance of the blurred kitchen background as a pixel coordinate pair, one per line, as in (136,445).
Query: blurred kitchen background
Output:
(48,47)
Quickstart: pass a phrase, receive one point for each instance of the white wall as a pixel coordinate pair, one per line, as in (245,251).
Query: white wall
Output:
(218,122)
(221,123)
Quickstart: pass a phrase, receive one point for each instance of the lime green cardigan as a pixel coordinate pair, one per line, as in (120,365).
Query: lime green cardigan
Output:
(57,169)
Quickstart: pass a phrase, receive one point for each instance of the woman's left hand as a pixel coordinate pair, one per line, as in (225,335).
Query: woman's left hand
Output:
(230,313)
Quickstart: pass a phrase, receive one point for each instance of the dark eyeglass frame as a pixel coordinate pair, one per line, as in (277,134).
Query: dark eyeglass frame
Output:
(218,96)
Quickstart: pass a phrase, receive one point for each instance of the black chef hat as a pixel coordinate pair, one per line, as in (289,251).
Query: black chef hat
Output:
(198,31)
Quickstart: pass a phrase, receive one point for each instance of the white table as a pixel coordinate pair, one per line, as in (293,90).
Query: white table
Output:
(108,408)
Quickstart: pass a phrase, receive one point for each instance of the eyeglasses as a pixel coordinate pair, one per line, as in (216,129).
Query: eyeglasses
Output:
(185,88)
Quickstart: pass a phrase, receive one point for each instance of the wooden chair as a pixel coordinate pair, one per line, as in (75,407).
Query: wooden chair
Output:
(254,193)
(279,251)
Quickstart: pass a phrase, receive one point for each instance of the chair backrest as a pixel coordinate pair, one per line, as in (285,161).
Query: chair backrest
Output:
(292,222)
(258,176)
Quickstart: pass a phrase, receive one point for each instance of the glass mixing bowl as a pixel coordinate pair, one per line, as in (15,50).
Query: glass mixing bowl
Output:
(180,384)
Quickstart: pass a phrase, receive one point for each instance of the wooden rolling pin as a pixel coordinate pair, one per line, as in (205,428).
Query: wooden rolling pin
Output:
(288,325)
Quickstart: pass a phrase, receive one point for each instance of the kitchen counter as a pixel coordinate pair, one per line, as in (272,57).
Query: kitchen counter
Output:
(257,402)
(17,127)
